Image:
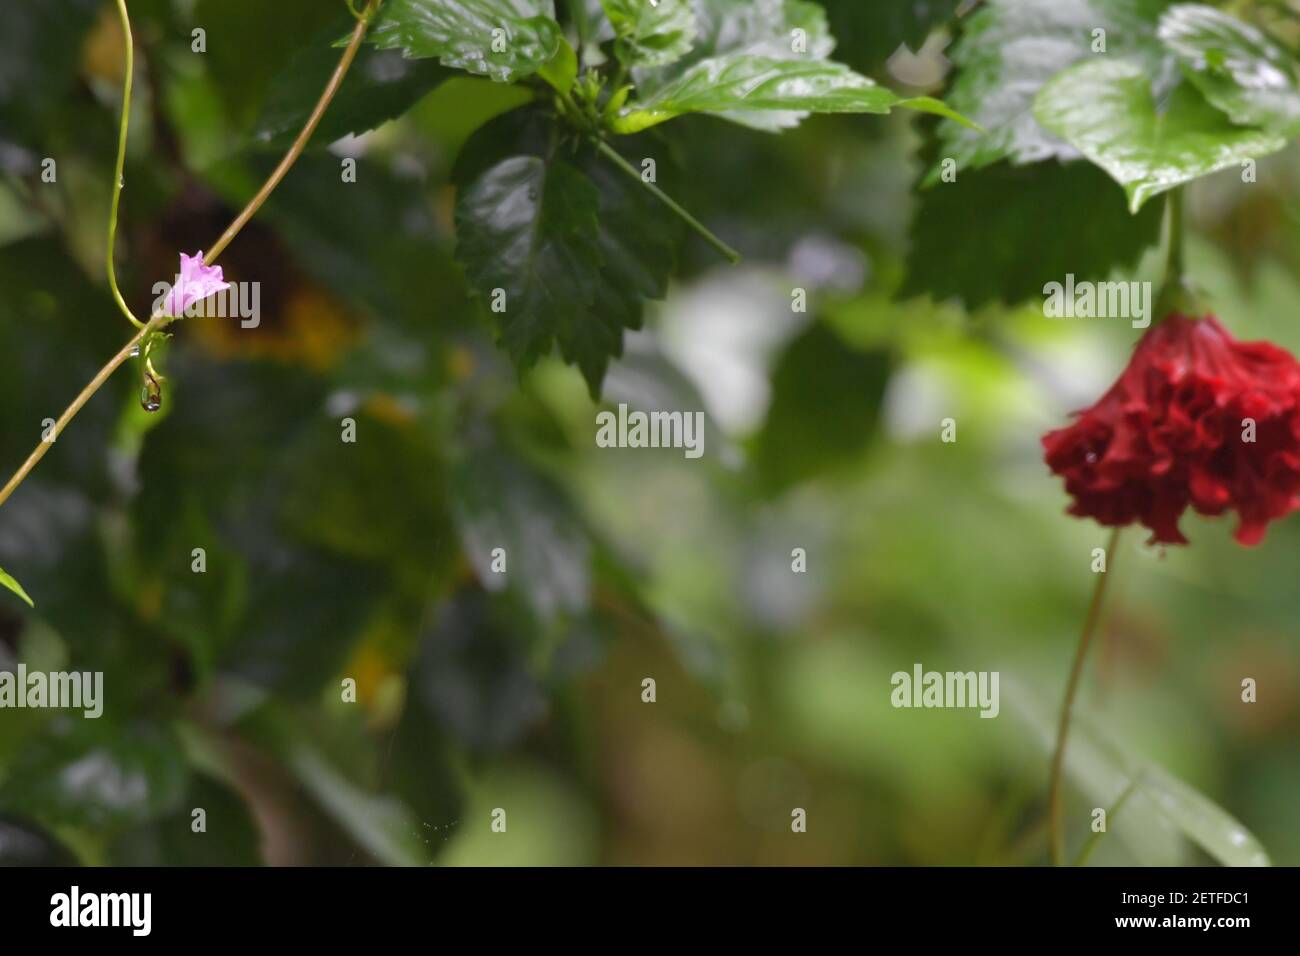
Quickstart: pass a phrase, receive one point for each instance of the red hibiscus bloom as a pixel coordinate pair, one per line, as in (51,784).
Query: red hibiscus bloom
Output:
(1176,429)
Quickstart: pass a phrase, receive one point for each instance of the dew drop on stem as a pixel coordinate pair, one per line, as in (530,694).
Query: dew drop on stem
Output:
(151,394)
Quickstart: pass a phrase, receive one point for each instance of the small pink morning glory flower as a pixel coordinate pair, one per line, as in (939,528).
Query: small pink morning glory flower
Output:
(194,284)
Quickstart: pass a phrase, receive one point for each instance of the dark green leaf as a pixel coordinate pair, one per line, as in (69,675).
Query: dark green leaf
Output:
(501,503)
(633,236)
(867,34)
(638,239)
(249,43)
(1089,232)
(506,40)
(231,837)
(472,680)
(826,399)
(1009,48)
(528,227)
(1237,67)
(99,773)
(1104,108)
(380,86)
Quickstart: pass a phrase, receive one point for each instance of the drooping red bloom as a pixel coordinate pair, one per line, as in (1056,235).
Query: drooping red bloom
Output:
(1176,429)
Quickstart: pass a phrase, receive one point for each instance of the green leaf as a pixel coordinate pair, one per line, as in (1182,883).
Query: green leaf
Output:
(1020,250)
(384,826)
(743,28)
(1010,48)
(380,86)
(737,86)
(1160,805)
(623,244)
(528,228)
(12,584)
(99,774)
(506,40)
(826,400)
(638,237)
(1104,108)
(499,502)
(1235,65)
(649,35)
(869,33)
(563,68)
(1203,821)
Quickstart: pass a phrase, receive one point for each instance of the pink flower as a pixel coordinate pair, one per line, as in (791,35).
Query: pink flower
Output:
(194,284)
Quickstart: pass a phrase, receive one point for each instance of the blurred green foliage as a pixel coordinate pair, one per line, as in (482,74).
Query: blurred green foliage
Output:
(371,561)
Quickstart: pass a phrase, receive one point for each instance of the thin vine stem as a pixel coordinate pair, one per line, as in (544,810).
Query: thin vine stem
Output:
(614,157)
(1071,691)
(158,320)
(121,164)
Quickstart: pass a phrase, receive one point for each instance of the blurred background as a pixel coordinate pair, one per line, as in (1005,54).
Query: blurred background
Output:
(475,691)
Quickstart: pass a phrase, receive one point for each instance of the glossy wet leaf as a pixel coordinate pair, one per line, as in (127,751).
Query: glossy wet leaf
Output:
(1235,65)
(1099,764)
(528,227)
(736,29)
(738,86)
(638,237)
(1020,249)
(1009,48)
(1207,824)
(506,40)
(651,35)
(8,581)
(584,313)
(1104,108)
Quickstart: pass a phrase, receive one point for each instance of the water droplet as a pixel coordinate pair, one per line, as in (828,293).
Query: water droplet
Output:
(532,193)
(121,182)
(1090,457)
(135,352)
(150,394)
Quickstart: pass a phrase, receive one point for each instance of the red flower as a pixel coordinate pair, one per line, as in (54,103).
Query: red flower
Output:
(1176,430)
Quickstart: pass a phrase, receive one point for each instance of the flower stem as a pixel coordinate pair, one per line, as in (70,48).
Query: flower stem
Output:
(1067,707)
(158,320)
(121,162)
(614,157)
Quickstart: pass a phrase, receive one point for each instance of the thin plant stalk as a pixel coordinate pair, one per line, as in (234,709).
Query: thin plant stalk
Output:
(1090,622)
(158,320)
